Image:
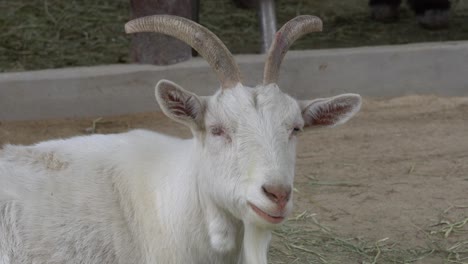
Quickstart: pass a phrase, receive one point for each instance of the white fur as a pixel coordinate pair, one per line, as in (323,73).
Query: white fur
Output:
(143,197)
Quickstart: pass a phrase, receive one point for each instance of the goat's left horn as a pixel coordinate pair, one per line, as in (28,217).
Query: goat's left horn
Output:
(205,42)
(285,37)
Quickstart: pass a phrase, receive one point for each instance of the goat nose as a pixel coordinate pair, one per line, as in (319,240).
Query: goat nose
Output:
(277,193)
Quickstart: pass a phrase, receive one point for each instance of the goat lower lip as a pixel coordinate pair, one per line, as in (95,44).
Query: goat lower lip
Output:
(266,216)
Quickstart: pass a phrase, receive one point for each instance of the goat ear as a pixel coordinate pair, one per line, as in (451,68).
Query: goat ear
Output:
(328,112)
(179,104)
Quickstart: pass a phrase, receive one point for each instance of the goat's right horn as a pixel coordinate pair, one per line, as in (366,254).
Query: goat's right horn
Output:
(284,38)
(198,37)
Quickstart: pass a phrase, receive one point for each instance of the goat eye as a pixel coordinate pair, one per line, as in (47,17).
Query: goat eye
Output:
(296,130)
(217,131)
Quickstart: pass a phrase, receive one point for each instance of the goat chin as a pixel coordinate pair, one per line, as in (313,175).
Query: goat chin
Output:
(255,244)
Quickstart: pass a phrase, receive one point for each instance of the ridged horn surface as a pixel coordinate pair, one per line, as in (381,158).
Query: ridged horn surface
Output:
(284,38)
(205,42)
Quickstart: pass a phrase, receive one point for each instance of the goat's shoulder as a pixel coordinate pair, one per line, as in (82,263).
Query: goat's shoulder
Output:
(81,159)
(135,148)
(87,146)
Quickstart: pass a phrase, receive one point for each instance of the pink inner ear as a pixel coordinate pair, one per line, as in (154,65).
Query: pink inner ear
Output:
(328,114)
(180,106)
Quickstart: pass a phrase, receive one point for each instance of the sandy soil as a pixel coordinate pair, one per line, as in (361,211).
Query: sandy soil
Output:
(395,171)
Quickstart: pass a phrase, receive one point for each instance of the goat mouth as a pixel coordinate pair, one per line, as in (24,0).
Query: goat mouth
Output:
(269,218)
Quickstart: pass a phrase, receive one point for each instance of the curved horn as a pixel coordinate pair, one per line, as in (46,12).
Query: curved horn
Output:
(198,37)
(284,38)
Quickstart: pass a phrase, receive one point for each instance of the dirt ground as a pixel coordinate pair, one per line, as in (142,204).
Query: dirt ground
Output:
(387,185)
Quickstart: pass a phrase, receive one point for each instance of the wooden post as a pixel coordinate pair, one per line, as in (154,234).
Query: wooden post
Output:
(159,49)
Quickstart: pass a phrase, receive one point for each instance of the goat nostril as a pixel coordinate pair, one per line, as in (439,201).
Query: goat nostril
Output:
(277,194)
(269,194)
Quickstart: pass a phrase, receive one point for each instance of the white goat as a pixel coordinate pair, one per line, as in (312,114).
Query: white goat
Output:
(143,197)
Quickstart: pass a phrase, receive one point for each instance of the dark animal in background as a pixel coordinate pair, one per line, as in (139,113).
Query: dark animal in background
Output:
(431,14)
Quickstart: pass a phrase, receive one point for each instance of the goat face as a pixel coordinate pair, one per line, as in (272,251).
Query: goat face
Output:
(250,144)
(247,142)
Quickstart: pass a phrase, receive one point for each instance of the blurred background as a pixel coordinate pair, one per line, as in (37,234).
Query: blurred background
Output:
(90,32)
